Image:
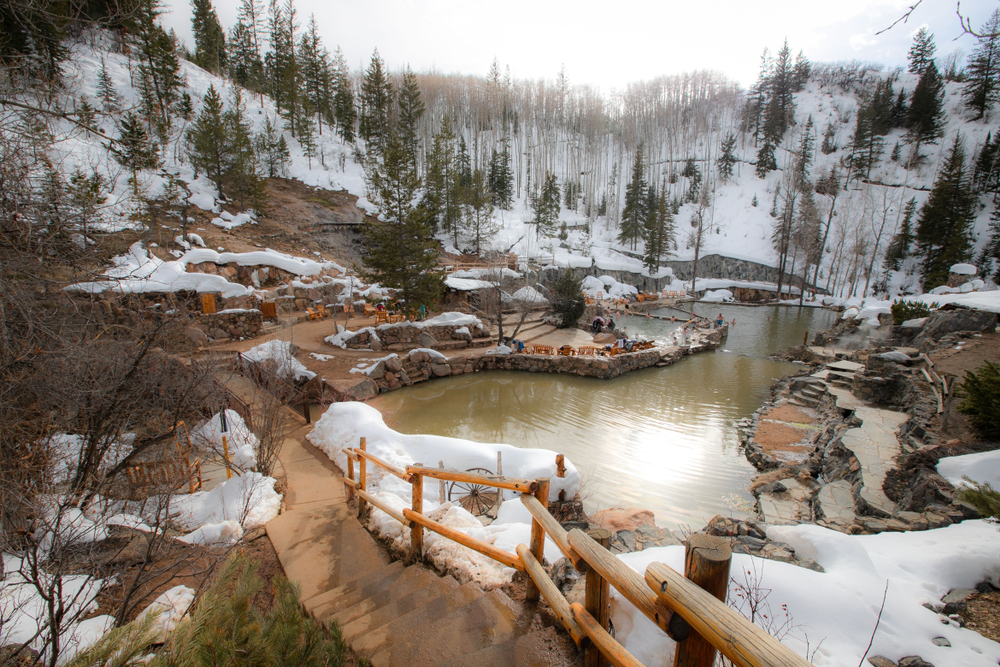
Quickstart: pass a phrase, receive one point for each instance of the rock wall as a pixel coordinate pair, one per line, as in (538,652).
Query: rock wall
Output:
(234,324)
(406,336)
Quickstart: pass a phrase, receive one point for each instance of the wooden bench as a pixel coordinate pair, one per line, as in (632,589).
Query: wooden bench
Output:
(566,351)
(541,349)
(170,474)
(586,350)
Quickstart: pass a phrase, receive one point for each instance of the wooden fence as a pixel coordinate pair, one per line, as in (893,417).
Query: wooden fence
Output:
(689,608)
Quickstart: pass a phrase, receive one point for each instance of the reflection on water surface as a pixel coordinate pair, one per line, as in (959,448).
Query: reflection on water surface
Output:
(662,438)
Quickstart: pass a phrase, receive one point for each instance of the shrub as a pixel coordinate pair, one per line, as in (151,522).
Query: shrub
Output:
(983,497)
(910,310)
(981,404)
(568,301)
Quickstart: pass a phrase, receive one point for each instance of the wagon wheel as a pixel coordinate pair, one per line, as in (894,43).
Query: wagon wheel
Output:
(477,499)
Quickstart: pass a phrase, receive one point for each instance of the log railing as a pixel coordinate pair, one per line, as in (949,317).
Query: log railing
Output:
(689,608)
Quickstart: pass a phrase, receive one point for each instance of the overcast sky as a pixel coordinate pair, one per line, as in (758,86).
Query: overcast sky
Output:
(608,44)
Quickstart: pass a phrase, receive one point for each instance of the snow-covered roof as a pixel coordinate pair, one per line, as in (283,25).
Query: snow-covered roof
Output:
(466,284)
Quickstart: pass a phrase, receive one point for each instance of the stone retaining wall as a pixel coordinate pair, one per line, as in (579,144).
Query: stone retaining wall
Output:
(405,336)
(235,324)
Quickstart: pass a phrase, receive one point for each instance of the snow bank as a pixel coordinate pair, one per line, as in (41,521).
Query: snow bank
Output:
(299,266)
(718,296)
(249,499)
(963,269)
(281,352)
(224,532)
(836,611)
(467,284)
(172,604)
(529,295)
(343,424)
(240,439)
(983,468)
(340,339)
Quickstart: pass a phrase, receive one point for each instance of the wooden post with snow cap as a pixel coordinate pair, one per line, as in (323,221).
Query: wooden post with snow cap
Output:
(537,535)
(362,480)
(598,590)
(350,474)
(561,472)
(706,564)
(417,505)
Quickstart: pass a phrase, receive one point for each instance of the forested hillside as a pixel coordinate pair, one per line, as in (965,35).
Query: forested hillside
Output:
(857,179)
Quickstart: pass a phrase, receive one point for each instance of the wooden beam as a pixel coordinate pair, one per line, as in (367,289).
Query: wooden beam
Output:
(479,546)
(538,535)
(629,583)
(706,564)
(597,598)
(554,530)
(362,482)
(552,595)
(522,485)
(398,472)
(746,644)
(394,513)
(611,649)
(416,531)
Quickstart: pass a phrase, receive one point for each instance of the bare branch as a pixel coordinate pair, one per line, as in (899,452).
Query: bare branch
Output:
(902,19)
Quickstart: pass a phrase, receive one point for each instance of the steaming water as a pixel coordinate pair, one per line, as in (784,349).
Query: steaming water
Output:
(663,439)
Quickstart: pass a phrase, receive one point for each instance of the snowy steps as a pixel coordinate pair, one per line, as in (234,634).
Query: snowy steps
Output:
(392,613)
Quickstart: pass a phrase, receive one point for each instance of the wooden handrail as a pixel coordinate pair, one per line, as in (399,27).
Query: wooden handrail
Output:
(489,550)
(350,453)
(629,583)
(553,530)
(552,595)
(609,646)
(746,644)
(388,467)
(509,483)
(394,513)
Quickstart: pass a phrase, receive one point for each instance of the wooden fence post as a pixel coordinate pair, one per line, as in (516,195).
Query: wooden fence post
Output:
(596,600)
(362,480)
(350,476)
(537,535)
(417,505)
(442,488)
(706,564)
(561,472)
(225,453)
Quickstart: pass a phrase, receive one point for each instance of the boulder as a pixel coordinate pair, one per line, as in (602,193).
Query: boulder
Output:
(393,364)
(604,339)
(196,336)
(441,370)
(425,339)
(378,372)
(879,661)
(944,322)
(927,488)
(618,518)
(354,389)
(375,345)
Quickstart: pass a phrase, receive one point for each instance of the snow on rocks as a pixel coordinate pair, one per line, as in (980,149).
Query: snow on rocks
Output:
(982,468)
(529,295)
(239,438)
(249,499)
(229,221)
(963,269)
(172,605)
(223,532)
(834,612)
(718,296)
(344,423)
(281,352)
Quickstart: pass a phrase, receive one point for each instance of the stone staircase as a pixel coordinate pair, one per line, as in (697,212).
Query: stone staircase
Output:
(413,371)
(808,394)
(395,614)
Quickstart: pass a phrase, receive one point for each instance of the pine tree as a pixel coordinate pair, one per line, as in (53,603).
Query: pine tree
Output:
(944,227)
(411,110)
(106,91)
(900,111)
(986,174)
(208,139)
(501,179)
(921,54)
(829,145)
(209,39)
(343,98)
(399,248)
(765,159)
(249,17)
(376,104)
(803,68)
(134,148)
(441,199)
(899,247)
(85,112)
(924,120)
(753,110)
(243,167)
(158,63)
(989,258)
(307,133)
(316,74)
(780,103)
(272,150)
(983,87)
(290,74)
(245,66)
(659,229)
(693,175)
(727,160)
(805,156)
(546,206)
(480,222)
(634,213)
(463,163)
(866,144)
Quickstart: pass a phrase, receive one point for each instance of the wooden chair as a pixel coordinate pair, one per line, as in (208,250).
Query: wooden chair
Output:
(370,310)
(322,311)
(348,311)
(381,316)
(544,349)
(586,350)
(566,351)
(313,315)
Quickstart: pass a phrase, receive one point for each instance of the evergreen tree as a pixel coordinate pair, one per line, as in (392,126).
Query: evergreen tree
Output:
(158,63)
(659,229)
(924,120)
(209,141)
(249,16)
(802,70)
(272,150)
(780,104)
(634,213)
(209,39)
(765,159)
(805,156)
(829,145)
(986,174)
(106,91)
(944,226)
(343,98)
(307,133)
(753,110)
(411,109)
(245,66)
(900,111)
(441,199)
(866,145)
(989,259)
(85,113)
(463,163)
(899,247)
(134,149)
(243,168)
(727,160)
(399,248)
(546,205)
(501,179)
(480,222)
(316,74)
(376,104)
(568,301)
(983,87)
(693,175)
(921,54)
